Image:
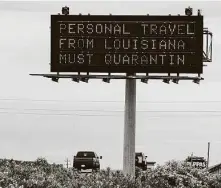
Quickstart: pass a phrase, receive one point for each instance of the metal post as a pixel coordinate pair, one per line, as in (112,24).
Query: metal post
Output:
(192,159)
(208,152)
(129,127)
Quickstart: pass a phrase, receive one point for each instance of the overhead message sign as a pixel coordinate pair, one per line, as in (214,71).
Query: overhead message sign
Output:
(123,44)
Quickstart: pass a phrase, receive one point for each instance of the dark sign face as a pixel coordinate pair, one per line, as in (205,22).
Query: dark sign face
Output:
(126,44)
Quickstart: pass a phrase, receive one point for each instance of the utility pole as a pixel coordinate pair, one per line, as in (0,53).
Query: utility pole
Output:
(192,159)
(129,127)
(208,154)
(67,162)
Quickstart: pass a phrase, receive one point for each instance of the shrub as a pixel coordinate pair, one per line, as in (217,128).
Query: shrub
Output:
(41,174)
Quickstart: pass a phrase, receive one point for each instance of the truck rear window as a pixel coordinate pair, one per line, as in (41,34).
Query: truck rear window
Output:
(138,154)
(85,154)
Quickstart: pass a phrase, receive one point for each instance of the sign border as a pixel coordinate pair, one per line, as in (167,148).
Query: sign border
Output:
(55,67)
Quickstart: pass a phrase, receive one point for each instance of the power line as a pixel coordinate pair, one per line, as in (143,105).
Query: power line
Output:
(112,115)
(104,101)
(121,111)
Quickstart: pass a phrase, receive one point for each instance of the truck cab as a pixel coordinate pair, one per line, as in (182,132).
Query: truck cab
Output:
(140,160)
(86,160)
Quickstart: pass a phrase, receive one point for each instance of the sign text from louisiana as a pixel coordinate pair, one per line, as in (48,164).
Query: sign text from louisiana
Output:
(142,44)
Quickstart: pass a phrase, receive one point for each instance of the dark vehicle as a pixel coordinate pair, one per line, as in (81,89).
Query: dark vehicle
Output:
(140,160)
(86,160)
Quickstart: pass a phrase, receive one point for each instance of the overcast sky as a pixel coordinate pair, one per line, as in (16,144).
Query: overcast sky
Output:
(91,115)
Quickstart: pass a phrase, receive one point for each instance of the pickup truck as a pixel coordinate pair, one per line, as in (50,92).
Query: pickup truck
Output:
(140,160)
(86,160)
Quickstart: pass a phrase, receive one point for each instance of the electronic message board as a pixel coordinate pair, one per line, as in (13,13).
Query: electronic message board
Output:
(126,44)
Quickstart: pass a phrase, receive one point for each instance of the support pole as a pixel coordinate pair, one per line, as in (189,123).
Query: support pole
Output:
(192,159)
(129,127)
(208,152)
